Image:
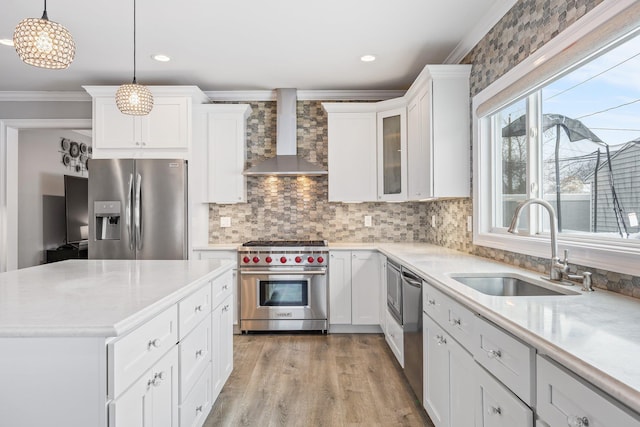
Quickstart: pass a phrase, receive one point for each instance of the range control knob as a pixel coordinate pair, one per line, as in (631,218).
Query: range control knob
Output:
(283,259)
(298,260)
(246,259)
(268,259)
(320,259)
(310,259)
(256,259)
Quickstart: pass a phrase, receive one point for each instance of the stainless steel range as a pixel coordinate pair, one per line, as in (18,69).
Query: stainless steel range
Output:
(283,285)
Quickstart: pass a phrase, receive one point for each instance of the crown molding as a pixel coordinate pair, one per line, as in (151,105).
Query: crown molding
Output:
(225,95)
(305,95)
(482,27)
(31,96)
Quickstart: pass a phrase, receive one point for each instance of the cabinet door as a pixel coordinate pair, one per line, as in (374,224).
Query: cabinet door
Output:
(152,401)
(436,372)
(462,386)
(392,154)
(365,288)
(226,338)
(382,301)
(216,352)
(167,124)
(497,406)
(226,158)
(352,157)
(419,168)
(340,288)
(111,128)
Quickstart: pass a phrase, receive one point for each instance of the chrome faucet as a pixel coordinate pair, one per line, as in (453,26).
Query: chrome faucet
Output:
(557,267)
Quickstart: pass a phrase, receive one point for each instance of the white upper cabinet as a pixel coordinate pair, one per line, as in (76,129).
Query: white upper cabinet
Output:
(438,133)
(219,152)
(164,132)
(416,147)
(392,152)
(352,152)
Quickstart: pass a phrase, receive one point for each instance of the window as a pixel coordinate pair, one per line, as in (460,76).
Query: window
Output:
(572,139)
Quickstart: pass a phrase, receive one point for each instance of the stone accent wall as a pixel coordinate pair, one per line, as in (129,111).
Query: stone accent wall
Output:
(298,207)
(524,29)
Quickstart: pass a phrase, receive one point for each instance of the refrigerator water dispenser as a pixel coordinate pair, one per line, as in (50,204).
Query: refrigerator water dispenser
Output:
(107,219)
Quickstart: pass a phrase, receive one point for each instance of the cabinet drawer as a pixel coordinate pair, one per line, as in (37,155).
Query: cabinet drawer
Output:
(195,354)
(194,308)
(452,316)
(497,406)
(130,356)
(395,338)
(507,358)
(563,399)
(222,287)
(434,304)
(194,410)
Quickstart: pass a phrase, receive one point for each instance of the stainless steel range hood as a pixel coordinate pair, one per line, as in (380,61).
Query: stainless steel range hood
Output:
(286,161)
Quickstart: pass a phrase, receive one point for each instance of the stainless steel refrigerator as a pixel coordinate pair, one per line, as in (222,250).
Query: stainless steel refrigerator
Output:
(138,209)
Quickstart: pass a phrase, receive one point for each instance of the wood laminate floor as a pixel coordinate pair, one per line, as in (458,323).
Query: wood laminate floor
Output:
(315,380)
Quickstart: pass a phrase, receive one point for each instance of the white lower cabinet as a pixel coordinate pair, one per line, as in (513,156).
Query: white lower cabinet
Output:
(395,337)
(152,401)
(497,406)
(195,356)
(564,400)
(222,354)
(194,410)
(354,288)
(449,378)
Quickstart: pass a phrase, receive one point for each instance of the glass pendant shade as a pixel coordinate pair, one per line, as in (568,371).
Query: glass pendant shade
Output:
(134,99)
(43,43)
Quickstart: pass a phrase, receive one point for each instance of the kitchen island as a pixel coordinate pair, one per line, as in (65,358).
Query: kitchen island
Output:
(79,338)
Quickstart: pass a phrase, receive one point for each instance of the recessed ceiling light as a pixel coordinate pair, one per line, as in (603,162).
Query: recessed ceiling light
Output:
(368,58)
(6,42)
(161,57)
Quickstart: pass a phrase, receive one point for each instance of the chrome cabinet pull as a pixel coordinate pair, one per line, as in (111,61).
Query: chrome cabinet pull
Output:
(198,308)
(156,343)
(494,354)
(574,421)
(431,302)
(199,353)
(199,409)
(440,339)
(456,322)
(158,377)
(493,410)
(127,216)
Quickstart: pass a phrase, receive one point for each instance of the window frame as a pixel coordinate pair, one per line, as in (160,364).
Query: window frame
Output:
(607,254)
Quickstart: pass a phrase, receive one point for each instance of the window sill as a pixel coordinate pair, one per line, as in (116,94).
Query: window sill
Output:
(590,254)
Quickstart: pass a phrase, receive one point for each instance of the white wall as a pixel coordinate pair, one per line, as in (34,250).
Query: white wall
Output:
(40,171)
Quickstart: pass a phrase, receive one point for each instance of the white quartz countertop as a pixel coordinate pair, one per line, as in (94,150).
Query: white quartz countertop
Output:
(594,334)
(95,297)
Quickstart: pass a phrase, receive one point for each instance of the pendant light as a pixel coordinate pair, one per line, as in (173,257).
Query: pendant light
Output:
(43,43)
(134,99)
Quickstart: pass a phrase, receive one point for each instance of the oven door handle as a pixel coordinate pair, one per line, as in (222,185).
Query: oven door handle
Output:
(284,272)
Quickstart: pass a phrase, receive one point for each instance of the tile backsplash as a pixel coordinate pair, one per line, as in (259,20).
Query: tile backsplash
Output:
(298,207)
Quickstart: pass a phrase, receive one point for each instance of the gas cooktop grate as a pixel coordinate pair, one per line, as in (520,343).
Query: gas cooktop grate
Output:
(285,243)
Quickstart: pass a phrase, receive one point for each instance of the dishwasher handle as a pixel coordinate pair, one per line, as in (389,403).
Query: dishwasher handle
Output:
(411,279)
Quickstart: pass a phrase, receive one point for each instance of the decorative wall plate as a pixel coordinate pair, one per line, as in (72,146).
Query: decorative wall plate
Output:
(74,149)
(64,143)
(83,148)
(66,160)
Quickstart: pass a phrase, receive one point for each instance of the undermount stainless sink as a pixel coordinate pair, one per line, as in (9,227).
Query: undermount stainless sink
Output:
(509,286)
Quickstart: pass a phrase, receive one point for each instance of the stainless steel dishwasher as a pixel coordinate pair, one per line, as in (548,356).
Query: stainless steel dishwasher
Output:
(412,330)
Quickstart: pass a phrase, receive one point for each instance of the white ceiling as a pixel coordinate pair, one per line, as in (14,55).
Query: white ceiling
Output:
(251,44)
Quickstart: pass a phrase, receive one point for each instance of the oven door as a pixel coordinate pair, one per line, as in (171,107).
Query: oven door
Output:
(283,300)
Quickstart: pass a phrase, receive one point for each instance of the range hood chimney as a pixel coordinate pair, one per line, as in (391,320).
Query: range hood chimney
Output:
(286,161)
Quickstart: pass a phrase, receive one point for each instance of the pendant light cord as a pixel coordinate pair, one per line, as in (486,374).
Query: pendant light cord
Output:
(134,41)
(44,14)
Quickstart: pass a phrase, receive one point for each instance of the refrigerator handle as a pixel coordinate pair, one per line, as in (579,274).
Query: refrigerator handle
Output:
(138,223)
(128,211)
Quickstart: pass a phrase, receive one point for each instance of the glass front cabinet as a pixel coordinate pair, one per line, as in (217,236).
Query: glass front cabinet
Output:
(392,157)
